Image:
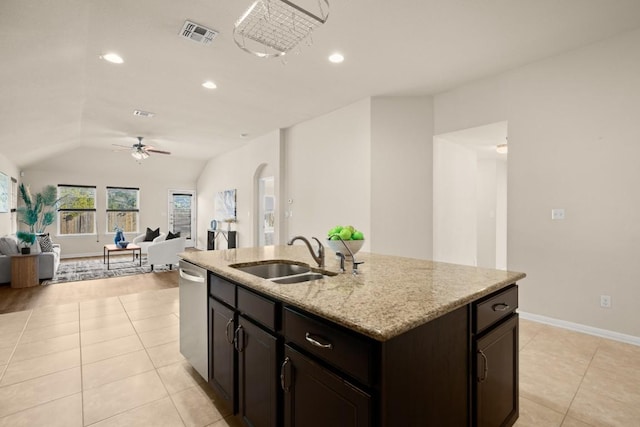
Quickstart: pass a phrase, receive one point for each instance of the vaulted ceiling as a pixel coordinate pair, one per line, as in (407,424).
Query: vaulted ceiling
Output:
(57,94)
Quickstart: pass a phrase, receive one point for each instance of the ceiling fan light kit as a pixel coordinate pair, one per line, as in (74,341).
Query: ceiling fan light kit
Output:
(142,151)
(271,28)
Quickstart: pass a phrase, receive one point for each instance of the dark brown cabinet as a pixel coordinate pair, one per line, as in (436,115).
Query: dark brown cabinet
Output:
(222,365)
(257,375)
(495,384)
(497,381)
(316,397)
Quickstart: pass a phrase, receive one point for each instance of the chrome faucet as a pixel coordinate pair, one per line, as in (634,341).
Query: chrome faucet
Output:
(317,258)
(342,257)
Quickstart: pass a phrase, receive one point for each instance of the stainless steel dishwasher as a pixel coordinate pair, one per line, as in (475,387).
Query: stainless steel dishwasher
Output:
(193,316)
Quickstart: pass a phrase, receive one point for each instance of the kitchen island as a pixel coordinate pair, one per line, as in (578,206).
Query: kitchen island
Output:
(404,342)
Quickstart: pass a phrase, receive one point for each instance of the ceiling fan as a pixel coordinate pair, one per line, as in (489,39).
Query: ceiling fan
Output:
(140,151)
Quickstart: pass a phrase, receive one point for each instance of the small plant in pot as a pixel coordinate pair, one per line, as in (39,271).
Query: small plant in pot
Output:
(27,239)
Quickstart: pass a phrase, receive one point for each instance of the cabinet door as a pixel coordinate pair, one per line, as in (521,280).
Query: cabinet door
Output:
(316,397)
(222,366)
(257,375)
(497,375)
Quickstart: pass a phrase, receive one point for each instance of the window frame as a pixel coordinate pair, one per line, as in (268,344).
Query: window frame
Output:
(136,210)
(61,210)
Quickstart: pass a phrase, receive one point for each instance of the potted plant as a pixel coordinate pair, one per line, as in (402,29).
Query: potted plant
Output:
(28,239)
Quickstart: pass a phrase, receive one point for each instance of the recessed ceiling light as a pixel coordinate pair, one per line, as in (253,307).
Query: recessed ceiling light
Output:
(114,58)
(209,84)
(336,58)
(244,135)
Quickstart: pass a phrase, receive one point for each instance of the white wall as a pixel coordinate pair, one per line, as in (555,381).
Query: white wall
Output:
(237,170)
(455,233)
(486,203)
(402,176)
(573,144)
(328,166)
(102,168)
(11,170)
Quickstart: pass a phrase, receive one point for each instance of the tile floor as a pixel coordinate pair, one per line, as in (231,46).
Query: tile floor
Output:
(115,362)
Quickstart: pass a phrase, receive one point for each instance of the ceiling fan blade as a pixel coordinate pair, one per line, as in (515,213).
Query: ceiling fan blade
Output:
(124,146)
(153,150)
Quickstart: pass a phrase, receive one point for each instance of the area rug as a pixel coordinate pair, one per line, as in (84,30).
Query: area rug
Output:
(91,269)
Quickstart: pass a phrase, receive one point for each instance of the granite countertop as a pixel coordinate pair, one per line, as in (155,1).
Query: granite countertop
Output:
(388,297)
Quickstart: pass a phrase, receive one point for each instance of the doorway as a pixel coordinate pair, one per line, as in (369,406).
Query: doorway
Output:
(266,211)
(470,197)
(182,214)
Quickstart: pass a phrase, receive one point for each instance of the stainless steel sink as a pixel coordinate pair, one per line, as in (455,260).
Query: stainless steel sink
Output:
(273,269)
(298,278)
(283,272)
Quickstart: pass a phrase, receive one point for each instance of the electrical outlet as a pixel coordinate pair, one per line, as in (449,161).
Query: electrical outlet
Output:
(605,301)
(557,214)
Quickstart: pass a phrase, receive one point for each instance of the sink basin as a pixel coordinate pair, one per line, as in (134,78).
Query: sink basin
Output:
(298,278)
(283,272)
(273,269)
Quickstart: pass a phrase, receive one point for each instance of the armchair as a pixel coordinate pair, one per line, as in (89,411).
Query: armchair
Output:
(166,251)
(139,240)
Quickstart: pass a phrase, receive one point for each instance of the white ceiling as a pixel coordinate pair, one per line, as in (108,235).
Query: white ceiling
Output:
(56,93)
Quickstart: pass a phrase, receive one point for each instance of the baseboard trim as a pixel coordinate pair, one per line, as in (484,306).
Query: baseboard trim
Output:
(603,333)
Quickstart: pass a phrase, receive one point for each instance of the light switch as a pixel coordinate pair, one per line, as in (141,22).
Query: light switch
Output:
(557,213)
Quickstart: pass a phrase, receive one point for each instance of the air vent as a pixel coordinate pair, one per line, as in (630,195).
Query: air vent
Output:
(197,33)
(143,113)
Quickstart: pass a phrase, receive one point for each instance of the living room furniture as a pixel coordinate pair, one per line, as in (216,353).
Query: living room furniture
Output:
(24,270)
(139,240)
(230,236)
(166,252)
(47,263)
(135,250)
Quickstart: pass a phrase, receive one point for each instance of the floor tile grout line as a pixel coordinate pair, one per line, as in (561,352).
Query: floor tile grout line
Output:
(4,369)
(580,384)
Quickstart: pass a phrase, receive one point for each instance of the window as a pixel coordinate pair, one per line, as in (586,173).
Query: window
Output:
(122,209)
(77,211)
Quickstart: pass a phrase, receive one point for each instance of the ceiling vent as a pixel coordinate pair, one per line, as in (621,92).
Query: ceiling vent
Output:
(197,33)
(143,113)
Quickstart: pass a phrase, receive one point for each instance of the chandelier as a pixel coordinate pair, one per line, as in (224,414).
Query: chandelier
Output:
(271,28)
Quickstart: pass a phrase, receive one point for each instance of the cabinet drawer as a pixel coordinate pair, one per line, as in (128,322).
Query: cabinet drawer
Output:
(346,351)
(494,307)
(258,308)
(223,290)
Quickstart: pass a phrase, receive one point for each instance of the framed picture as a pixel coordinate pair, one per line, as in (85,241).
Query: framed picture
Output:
(225,206)
(5,192)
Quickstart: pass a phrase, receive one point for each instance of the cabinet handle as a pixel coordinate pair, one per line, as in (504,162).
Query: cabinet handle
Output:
(317,343)
(283,382)
(239,346)
(485,370)
(500,307)
(229,323)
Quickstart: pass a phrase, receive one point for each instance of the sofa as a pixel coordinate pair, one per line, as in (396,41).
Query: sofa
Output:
(48,262)
(165,252)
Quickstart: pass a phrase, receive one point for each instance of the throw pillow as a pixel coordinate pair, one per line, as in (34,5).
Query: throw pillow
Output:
(172,236)
(45,243)
(151,234)
(8,246)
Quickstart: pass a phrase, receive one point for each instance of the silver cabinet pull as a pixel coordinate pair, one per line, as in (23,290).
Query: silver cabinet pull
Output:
(283,384)
(229,323)
(485,370)
(238,346)
(500,307)
(317,343)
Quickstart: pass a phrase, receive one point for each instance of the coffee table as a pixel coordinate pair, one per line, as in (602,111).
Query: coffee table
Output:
(106,251)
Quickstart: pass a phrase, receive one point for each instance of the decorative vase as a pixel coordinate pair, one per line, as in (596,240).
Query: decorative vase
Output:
(119,237)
